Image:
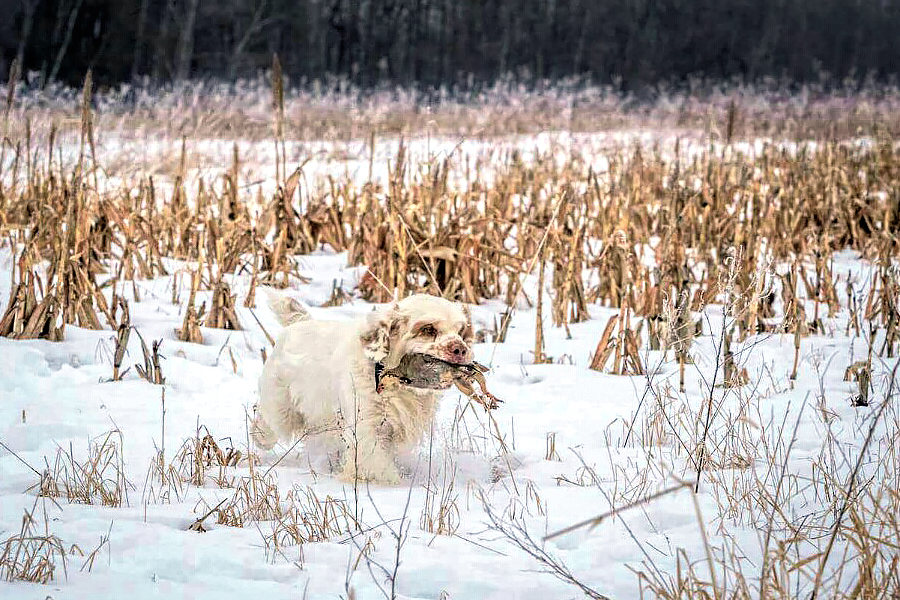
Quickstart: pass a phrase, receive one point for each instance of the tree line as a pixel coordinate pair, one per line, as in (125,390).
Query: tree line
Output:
(429,43)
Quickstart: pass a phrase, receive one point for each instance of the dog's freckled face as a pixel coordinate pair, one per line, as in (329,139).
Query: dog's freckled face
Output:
(421,324)
(447,341)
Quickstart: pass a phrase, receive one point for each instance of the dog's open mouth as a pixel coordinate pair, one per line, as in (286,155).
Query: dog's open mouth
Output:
(424,371)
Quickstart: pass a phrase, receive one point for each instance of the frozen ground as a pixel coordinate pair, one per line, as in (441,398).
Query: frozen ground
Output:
(56,394)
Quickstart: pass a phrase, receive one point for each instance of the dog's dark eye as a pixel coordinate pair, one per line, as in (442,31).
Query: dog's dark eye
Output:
(428,330)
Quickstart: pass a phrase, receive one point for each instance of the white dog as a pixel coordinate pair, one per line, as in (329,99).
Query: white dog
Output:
(319,382)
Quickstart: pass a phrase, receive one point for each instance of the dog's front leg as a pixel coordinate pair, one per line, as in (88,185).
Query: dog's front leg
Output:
(263,436)
(371,452)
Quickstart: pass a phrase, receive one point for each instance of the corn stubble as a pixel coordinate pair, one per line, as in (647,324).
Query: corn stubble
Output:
(471,242)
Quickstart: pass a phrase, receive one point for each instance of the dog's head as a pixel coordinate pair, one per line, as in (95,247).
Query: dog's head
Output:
(421,324)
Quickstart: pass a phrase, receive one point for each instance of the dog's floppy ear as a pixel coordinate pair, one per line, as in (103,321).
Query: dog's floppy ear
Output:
(381,328)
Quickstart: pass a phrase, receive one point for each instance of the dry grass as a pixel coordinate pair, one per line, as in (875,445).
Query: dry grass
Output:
(256,498)
(201,454)
(298,517)
(99,479)
(335,109)
(308,518)
(199,459)
(32,555)
(440,514)
(800,545)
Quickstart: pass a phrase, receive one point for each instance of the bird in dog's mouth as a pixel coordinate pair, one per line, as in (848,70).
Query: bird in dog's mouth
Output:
(425,371)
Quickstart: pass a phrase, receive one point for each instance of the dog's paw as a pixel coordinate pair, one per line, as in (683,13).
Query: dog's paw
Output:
(384,474)
(264,437)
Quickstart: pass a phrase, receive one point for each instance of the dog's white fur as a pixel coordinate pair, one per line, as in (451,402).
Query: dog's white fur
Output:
(319,382)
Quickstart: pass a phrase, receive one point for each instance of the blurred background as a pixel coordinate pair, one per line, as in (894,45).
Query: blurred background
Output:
(629,44)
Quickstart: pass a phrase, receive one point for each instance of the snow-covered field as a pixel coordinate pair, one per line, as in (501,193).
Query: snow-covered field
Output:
(568,443)
(56,394)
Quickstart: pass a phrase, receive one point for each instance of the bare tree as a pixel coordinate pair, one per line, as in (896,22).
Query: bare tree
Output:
(139,39)
(257,23)
(159,60)
(61,53)
(186,42)
(27,24)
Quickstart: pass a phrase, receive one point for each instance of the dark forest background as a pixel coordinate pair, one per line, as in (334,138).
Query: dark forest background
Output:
(629,43)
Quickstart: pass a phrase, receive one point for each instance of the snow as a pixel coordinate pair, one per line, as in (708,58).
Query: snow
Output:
(56,394)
